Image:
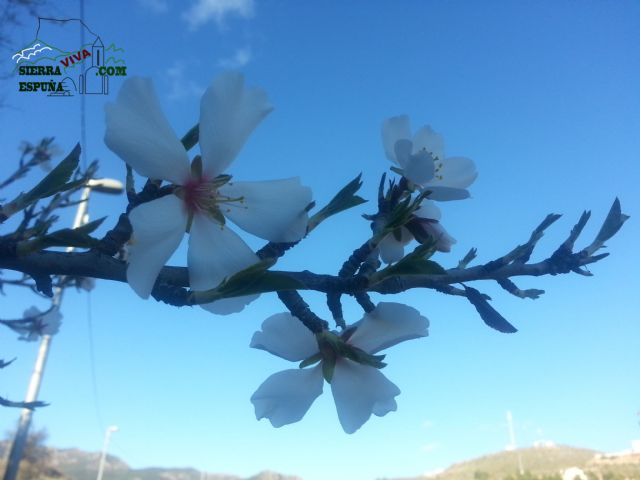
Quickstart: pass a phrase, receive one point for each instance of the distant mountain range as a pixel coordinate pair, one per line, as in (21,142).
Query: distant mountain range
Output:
(544,463)
(75,464)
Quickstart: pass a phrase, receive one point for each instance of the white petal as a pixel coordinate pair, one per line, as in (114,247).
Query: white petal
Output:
(402,151)
(391,249)
(227,306)
(387,325)
(139,133)
(273,210)
(425,138)
(229,112)
(444,241)
(457,172)
(285,336)
(216,252)
(286,396)
(158,227)
(394,129)
(443,194)
(419,167)
(358,391)
(385,406)
(428,209)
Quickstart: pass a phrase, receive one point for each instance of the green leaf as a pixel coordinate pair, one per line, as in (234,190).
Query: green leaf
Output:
(415,267)
(55,181)
(328,367)
(489,315)
(191,137)
(251,280)
(415,263)
(360,356)
(343,200)
(614,221)
(67,237)
(262,283)
(313,359)
(333,346)
(73,237)
(401,214)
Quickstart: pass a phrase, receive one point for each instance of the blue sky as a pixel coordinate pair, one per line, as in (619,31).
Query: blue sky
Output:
(543,96)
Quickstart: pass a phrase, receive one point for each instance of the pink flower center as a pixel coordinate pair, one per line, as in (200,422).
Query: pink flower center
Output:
(198,194)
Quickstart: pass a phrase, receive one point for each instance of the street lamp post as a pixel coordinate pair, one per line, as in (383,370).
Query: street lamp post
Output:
(103,185)
(105,447)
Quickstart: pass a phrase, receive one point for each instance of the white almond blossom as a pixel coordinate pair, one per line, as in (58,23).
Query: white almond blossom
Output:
(425,225)
(45,323)
(422,160)
(140,134)
(358,390)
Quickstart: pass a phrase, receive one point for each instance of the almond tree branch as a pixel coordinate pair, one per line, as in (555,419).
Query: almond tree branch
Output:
(172,283)
(98,265)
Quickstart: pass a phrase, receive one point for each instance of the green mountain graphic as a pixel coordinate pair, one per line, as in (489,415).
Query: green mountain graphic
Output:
(55,56)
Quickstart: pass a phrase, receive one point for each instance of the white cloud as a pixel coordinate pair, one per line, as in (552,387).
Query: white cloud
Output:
(239,59)
(204,10)
(157,6)
(180,86)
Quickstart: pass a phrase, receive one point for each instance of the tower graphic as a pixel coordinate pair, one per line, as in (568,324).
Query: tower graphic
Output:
(93,82)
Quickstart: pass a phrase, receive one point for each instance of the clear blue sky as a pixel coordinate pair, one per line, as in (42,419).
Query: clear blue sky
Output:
(542,95)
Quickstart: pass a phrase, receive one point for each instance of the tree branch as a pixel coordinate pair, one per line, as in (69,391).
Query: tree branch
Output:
(172,284)
(97,265)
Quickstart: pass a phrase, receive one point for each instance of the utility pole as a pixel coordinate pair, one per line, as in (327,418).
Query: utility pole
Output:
(105,447)
(104,185)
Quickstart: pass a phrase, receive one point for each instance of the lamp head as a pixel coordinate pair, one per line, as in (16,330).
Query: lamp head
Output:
(106,185)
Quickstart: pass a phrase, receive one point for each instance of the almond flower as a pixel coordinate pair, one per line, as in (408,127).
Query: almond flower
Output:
(140,134)
(422,160)
(43,323)
(358,389)
(425,226)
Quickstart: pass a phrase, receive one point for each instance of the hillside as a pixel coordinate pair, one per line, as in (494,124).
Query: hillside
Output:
(75,464)
(543,463)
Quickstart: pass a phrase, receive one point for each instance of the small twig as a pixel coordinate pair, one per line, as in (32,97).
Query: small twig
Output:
(115,239)
(468,258)
(335,307)
(4,363)
(512,288)
(29,405)
(275,249)
(365,301)
(299,309)
(522,253)
(354,261)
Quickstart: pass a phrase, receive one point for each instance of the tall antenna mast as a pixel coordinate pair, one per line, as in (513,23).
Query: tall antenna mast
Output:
(512,441)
